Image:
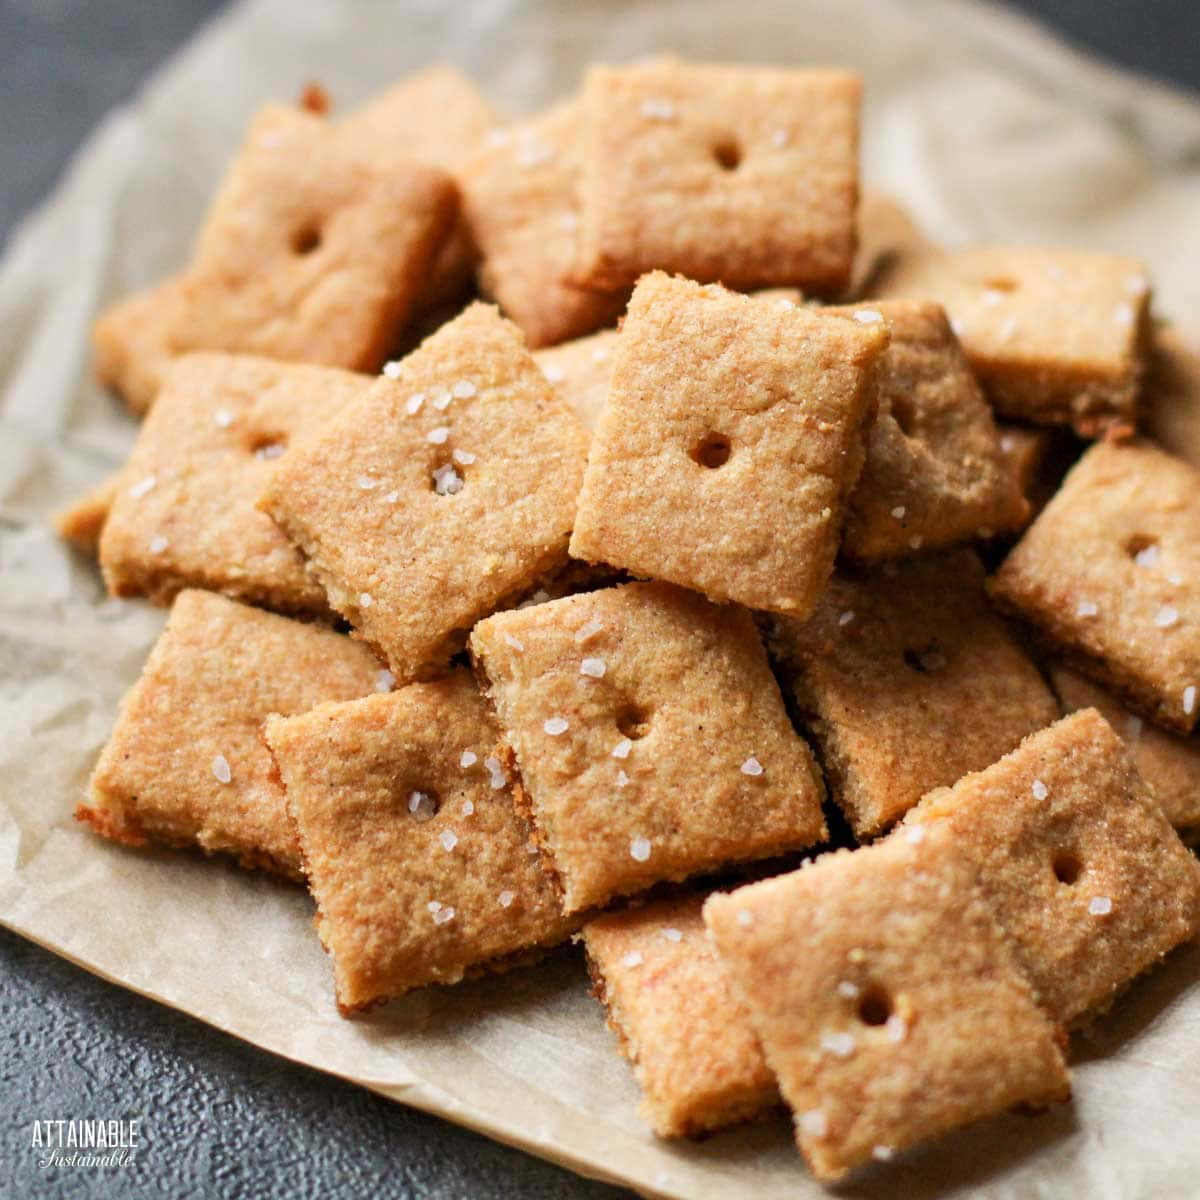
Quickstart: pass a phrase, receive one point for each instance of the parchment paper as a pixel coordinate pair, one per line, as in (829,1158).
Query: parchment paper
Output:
(987,128)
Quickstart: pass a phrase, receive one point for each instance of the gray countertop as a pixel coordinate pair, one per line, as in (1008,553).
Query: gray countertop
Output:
(221,1117)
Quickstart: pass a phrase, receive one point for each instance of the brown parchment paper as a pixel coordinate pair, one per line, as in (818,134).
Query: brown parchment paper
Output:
(985,126)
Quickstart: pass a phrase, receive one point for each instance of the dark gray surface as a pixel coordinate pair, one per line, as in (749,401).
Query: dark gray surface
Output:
(222,1118)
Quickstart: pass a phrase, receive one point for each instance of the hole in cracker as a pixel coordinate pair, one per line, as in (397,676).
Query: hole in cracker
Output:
(904,414)
(1066,867)
(633,722)
(727,154)
(874,1007)
(925,660)
(267,446)
(712,451)
(1000,283)
(306,239)
(423,804)
(1139,544)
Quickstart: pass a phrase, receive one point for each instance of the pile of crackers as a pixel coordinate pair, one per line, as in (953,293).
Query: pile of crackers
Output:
(802,615)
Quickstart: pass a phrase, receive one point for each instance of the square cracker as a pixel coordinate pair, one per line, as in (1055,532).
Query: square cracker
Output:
(672,1006)
(1170,764)
(933,475)
(729,443)
(309,253)
(419,864)
(1055,336)
(581,371)
(519,201)
(1109,575)
(888,1004)
(438,494)
(1078,863)
(651,737)
(184,765)
(185,514)
(436,116)
(746,176)
(82,521)
(907,680)
(1173,392)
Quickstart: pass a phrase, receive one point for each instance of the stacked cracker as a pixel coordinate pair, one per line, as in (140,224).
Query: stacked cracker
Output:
(576,579)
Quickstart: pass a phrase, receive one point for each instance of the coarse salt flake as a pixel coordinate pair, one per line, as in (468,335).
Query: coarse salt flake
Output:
(447,481)
(434,906)
(468,807)
(392,369)
(384,680)
(421,805)
(1086,608)
(392,496)
(639,849)
(672,934)
(587,630)
(846,617)
(847,989)
(654,109)
(896,1028)
(779,138)
(223,418)
(439,435)
(413,404)
(506,898)
(1136,285)
(868,316)
(814,1123)
(468,758)
(367,482)
(449,839)
(1166,617)
(496,771)
(957,327)
(443,915)
(752,766)
(595,667)
(622,748)
(622,779)
(365,600)
(841,1045)
(514,642)
(1148,556)
(1123,314)
(464,389)
(1189,700)
(270,451)
(158,544)
(463,457)
(1100,906)
(554,373)
(992,297)
(915,834)
(1039,789)
(140,488)
(220,768)
(882,1153)
(632,959)
(534,154)
(899,512)
(555,725)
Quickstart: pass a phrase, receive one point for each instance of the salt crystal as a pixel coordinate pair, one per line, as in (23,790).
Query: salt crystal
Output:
(392,497)
(779,138)
(587,630)
(269,452)
(506,898)
(1189,700)
(384,680)
(463,457)
(814,1123)
(1100,906)
(632,959)
(1136,285)
(1086,608)
(882,1153)
(745,918)
(592,666)
(752,766)
(468,808)
(449,839)
(365,600)
(639,849)
(1123,314)
(514,642)
(1039,789)
(658,110)
(992,297)
(555,725)
(841,1045)
(443,915)
(158,544)
(672,934)
(468,758)
(220,768)
(622,779)
(366,482)
(447,481)
(392,369)
(1148,556)
(413,404)
(847,989)
(223,418)
(140,489)
(554,373)
(896,1028)
(421,805)
(622,748)
(496,772)
(899,511)
(464,389)
(439,435)
(846,618)
(915,834)
(1166,617)
(868,316)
